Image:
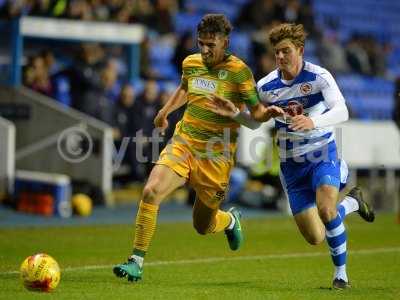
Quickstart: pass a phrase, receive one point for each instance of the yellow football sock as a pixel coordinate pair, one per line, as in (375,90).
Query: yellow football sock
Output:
(222,221)
(146,221)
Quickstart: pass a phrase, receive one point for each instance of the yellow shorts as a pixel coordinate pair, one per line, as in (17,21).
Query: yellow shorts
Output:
(209,177)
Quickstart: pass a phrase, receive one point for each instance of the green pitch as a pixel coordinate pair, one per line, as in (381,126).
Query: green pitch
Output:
(274,263)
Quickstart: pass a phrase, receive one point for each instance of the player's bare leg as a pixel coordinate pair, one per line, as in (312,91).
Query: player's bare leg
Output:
(327,197)
(162,181)
(310,225)
(212,220)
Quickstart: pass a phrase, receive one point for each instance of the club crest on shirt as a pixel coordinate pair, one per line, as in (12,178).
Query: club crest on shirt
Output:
(306,88)
(222,74)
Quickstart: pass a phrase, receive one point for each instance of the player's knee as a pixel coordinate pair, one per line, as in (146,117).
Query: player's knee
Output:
(151,193)
(327,213)
(201,228)
(315,239)
(328,193)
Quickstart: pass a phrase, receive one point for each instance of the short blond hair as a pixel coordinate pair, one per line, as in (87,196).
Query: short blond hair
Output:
(295,33)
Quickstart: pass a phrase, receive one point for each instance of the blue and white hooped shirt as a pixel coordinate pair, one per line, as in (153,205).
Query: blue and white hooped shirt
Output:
(313,92)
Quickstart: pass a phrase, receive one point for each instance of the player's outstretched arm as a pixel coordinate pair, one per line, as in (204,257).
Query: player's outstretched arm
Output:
(177,100)
(226,108)
(338,113)
(336,103)
(261,113)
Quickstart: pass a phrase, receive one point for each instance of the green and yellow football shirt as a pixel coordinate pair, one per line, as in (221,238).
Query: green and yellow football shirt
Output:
(231,79)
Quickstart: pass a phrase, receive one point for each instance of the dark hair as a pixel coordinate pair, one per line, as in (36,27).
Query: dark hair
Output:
(214,24)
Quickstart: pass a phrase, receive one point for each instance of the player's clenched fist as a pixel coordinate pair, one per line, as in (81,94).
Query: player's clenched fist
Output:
(274,111)
(301,123)
(161,121)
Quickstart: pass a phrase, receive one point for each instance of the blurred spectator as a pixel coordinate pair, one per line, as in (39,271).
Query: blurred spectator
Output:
(265,64)
(257,13)
(292,11)
(41,8)
(83,73)
(114,91)
(96,102)
(14,8)
(123,15)
(126,111)
(331,53)
(143,12)
(149,104)
(61,88)
(38,78)
(116,57)
(100,10)
(79,10)
(306,17)
(357,56)
(260,40)
(126,122)
(185,46)
(115,5)
(296,12)
(376,56)
(163,22)
(261,48)
(29,75)
(145,69)
(52,65)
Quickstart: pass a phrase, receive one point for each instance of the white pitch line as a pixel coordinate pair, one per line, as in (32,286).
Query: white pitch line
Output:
(233,258)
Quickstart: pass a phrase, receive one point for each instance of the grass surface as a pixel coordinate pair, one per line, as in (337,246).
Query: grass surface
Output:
(274,263)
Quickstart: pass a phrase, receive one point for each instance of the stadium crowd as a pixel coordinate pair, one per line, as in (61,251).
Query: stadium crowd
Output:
(91,77)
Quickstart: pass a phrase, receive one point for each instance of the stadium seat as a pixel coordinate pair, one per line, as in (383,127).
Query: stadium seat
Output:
(369,97)
(240,45)
(161,51)
(186,22)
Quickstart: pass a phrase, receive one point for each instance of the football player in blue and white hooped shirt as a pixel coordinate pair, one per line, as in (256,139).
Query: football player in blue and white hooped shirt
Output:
(310,104)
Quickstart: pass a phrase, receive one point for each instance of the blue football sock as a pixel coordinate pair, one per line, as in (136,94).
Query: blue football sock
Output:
(347,206)
(336,238)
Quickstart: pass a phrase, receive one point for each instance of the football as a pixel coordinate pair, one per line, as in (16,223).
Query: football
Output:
(40,272)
